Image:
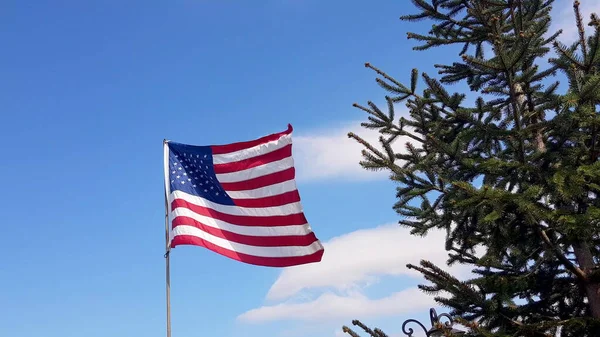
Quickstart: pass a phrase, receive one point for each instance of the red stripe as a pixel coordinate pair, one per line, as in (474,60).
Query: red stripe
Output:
(243,220)
(266,180)
(259,241)
(262,159)
(272,201)
(221,149)
(287,261)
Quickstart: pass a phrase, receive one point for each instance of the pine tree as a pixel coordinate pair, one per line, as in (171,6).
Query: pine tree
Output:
(513,178)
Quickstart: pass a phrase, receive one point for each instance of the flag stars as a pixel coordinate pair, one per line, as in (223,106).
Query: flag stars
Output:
(192,172)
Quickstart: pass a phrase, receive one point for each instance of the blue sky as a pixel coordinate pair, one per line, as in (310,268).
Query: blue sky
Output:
(89,89)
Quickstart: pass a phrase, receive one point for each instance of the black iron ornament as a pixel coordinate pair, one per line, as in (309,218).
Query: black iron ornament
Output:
(437,327)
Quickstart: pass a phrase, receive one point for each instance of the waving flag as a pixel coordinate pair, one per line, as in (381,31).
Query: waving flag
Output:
(239,200)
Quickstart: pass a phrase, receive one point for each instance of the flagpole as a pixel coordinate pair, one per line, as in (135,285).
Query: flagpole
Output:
(167,269)
(168,272)
(167,241)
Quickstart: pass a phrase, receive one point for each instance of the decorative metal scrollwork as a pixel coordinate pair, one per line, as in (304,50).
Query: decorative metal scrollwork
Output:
(437,327)
(435,319)
(409,332)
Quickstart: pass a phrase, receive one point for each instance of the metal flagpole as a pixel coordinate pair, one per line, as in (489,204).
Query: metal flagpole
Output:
(168,268)
(167,243)
(168,274)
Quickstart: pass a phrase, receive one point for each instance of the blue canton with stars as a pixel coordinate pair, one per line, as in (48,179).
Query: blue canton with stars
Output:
(191,171)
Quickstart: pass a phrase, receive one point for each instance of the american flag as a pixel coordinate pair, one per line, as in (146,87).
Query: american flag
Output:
(239,200)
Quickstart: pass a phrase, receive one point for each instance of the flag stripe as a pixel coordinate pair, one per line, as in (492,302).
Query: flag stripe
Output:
(263,181)
(260,241)
(252,220)
(253,151)
(243,230)
(222,149)
(286,261)
(259,160)
(289,209)
(256,172)
(282,251)
(272,201)
(263,192)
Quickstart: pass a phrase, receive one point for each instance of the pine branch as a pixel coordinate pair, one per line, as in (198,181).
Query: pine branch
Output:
(568,264)
(580,29)
(349,331)
(365,328)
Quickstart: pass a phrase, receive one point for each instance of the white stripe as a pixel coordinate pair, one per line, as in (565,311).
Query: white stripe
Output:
(253,151)
(286,251)
(166,151)
(257,171)
(293,208)
(267,191)
(244,230)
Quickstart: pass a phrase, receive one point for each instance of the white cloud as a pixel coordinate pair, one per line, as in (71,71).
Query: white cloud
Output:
(329,153)
(331,306)
(352,262)
(564,18)
(357,258)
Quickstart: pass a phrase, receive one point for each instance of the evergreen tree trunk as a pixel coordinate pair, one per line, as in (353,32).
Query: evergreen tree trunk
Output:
(585,260)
